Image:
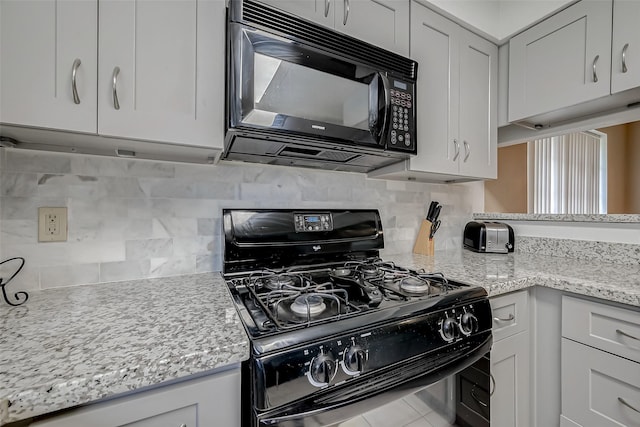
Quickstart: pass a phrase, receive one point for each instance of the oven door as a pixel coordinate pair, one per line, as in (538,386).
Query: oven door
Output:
(456,387)
(286,87)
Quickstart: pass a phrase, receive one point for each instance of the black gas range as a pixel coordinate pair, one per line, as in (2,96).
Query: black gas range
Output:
(335,330)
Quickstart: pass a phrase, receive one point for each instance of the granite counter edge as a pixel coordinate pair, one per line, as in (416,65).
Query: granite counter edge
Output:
(69,393)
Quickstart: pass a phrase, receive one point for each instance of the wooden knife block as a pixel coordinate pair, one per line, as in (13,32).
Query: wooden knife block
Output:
(424,245)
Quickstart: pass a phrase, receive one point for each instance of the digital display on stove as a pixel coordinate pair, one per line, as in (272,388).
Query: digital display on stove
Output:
(316,222)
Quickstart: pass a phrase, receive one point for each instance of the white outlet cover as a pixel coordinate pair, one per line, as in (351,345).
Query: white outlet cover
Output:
(52,224)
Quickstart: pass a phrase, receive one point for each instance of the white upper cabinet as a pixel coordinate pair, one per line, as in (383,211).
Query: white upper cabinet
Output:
(435,46)
(318,11)
(161,73)
(456,101)
(625,61)
(562,61)
(478,117)
(48,53)
(383,23)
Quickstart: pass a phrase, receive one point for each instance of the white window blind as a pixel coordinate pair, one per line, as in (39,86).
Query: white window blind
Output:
(569,174)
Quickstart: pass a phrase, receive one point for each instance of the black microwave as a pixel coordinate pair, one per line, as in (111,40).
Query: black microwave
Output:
(305,95)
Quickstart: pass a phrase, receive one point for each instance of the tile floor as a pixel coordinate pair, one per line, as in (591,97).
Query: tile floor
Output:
(410,411)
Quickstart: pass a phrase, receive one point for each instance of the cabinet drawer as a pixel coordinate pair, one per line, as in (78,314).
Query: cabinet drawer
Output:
(609,328)
(594,386)
(510,314)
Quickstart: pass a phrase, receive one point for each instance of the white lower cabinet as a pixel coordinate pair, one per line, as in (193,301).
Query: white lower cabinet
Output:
(600,364)
(510,361)
(598,388)
(510,370)
(213,400)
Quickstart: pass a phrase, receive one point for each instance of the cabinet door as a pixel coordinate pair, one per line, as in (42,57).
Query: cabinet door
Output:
(626,41)
(161,74)
(39,43)
(434,45)
(213,400)
(510,370)
(478,107)
(384,23)
(318,11)
(598,388)
(562,61)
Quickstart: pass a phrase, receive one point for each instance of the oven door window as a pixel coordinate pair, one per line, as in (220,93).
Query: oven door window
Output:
(287,87)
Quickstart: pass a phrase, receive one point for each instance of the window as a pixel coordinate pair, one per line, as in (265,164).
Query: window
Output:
(569,174)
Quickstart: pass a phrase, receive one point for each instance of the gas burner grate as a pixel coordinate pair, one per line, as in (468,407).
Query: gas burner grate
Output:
(295,299)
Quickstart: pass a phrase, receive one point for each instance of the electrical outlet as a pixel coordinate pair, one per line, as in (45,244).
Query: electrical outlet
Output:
(52,224)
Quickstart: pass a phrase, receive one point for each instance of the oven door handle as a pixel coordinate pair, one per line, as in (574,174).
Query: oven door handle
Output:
(317,414)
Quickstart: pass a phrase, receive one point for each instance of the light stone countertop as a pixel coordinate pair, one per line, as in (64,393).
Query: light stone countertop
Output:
(502,273)
(616,218)
(74,345)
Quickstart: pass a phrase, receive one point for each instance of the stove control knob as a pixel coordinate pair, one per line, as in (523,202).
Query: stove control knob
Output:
(449,329)
(354,360)
(323,369)
(468,324)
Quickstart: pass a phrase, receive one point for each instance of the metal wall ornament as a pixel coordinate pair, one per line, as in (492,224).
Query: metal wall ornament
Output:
(18,296)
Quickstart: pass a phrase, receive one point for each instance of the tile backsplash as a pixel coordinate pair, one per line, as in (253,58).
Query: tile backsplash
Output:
(132,219)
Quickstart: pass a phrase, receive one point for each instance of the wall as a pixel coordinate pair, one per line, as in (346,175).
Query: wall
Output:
(2,151)
(133,219)
(617,179)
(633,160)
(500,19)
(508,193)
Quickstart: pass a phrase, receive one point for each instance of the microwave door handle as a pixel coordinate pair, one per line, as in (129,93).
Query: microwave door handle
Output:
(387,106)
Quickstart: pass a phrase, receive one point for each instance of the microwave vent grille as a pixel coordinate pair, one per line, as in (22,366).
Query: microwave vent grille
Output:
(308,32)
(333,156)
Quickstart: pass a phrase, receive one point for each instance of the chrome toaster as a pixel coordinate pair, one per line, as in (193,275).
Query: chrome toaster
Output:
(488,236)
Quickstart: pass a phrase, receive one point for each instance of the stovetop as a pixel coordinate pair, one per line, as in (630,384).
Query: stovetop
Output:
(277,301)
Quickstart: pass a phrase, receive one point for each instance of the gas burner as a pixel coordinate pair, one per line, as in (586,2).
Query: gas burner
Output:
(282,281)
(341,272)
(369,270)
(389,277)
(308,305)
(414,285)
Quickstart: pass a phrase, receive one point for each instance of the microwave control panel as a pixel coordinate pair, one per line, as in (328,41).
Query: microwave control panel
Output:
(402,134)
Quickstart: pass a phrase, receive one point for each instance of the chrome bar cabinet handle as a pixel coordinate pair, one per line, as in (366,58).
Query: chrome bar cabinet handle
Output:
(625,334)
(457,145)
(595,74)
(627,404)
(467,150)
(74,86)
(493,382)
(327,4)
(116,103)
(347,6)
(480,402)
(508,319)
(624,58)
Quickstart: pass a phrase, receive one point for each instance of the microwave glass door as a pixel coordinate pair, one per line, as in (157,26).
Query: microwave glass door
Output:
(288,87)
